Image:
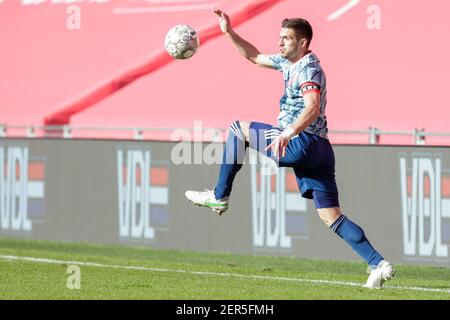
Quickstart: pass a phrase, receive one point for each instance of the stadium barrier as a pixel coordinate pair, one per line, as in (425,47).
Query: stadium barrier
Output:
(132,193)
(372,135)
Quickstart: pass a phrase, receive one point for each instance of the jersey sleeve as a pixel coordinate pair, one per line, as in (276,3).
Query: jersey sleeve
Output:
(277,61)
(311,79)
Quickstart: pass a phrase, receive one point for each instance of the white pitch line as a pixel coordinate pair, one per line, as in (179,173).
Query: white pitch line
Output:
(204,273)
(343,10)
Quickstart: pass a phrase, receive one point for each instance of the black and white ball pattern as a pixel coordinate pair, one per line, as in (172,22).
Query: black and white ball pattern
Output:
(181,42)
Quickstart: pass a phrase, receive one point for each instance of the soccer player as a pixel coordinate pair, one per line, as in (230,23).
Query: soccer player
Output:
(300,140)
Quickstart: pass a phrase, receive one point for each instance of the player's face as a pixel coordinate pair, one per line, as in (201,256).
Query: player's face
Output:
(290,46)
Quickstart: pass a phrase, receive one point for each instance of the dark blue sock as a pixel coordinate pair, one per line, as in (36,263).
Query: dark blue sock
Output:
(355,237)
(233,158)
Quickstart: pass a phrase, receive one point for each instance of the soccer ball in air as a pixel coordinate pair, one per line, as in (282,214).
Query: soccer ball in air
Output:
(181,42)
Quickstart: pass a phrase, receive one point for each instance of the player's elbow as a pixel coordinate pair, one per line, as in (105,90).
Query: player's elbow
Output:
(253,59)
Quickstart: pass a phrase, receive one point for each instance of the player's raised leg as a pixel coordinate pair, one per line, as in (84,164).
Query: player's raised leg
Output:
(233,158)
(254,135)
(232,161)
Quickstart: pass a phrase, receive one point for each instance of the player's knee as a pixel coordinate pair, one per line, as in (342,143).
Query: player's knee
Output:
(240,129)
(235,129)
(328,221)
(329,216)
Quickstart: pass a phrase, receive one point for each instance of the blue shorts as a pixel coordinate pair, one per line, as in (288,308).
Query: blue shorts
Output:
(312,159)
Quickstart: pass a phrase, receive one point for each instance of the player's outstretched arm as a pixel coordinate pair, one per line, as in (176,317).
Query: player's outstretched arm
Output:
(248,50)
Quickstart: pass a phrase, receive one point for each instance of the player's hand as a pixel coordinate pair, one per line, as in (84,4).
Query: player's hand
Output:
(278,146)
(224,20)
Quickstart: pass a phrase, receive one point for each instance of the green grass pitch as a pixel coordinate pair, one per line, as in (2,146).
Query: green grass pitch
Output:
(39,270)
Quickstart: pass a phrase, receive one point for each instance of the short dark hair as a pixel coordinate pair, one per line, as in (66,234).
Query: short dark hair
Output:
(301,26)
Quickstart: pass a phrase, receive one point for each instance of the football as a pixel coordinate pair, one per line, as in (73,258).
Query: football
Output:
(181,42)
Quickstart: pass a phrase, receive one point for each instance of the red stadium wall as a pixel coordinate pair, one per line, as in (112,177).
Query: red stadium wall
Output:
(386,63)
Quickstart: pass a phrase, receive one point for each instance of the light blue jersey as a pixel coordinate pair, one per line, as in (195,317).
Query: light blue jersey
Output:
(304,76)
